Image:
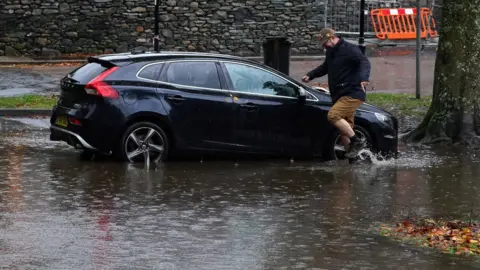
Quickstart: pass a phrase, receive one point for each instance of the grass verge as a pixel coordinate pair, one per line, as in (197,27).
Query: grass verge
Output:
(28,102)
(400,104)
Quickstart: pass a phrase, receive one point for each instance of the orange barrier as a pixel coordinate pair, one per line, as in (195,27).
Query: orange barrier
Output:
(401,23)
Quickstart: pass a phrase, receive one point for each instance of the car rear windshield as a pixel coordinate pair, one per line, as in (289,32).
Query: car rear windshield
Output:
(87,72)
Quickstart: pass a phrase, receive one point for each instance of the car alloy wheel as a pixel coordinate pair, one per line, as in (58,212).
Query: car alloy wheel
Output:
(145,143)
(339,149)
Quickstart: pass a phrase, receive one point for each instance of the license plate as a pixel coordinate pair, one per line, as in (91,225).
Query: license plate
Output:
(61,121)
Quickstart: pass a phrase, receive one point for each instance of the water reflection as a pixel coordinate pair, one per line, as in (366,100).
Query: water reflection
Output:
(13,184)
(58,211)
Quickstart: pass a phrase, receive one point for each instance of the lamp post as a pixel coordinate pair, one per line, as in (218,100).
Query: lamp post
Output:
(361,39)
(156,37)
(417,77)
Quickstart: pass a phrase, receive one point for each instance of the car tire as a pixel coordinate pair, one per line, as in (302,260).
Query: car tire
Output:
(332,154)
(155,149)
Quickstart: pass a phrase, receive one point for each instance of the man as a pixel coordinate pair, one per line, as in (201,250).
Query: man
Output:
(348,74)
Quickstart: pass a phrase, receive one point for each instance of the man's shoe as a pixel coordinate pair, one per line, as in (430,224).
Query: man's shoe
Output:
(355,148)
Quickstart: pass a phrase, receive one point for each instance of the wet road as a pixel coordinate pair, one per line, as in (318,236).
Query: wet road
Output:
(59,212)
(31,80)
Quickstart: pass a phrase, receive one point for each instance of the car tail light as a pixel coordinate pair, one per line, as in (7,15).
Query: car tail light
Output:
(100,88)
(74,121)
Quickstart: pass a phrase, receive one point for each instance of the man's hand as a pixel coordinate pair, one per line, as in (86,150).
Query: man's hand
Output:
(306,79)
(364,86)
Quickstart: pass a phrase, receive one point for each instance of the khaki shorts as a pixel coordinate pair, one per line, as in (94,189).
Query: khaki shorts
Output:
(344,108)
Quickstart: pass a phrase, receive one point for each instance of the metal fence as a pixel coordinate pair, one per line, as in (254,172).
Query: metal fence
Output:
(344,15)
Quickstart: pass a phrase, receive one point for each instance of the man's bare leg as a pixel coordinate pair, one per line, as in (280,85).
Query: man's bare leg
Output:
(344,138)
(347,132)
(345,141)
(344,128)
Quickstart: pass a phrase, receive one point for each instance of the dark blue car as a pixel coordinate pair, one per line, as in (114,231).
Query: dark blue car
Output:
(161,105)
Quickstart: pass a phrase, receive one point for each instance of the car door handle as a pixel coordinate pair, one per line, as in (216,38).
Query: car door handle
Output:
(176,98)
(249,107)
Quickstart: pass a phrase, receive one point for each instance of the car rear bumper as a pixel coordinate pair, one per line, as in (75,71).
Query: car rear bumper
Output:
(96,129)
(73,139)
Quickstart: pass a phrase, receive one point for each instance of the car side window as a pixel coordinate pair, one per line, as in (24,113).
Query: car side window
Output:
(151,72)
(254,80)
(201,74)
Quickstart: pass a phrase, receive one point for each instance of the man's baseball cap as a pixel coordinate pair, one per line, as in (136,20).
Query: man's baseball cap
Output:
(325,34)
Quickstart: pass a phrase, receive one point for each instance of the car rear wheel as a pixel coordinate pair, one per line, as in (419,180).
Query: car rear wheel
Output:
(336,151)
(144,142)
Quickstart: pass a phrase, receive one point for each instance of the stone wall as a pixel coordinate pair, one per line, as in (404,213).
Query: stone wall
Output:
(51,27)
(55,27)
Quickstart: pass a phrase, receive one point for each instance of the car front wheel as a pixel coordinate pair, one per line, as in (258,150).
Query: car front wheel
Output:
(144,142)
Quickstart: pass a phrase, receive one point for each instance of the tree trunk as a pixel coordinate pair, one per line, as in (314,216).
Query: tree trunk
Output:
(454,115)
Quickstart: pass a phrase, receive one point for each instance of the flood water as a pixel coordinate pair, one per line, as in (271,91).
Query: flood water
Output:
(59,212)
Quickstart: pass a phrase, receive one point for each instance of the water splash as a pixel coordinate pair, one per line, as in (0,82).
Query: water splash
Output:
(376,159)
(415,159)
(368,160)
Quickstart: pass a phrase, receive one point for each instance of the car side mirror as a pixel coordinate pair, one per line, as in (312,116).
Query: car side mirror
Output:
(302,94)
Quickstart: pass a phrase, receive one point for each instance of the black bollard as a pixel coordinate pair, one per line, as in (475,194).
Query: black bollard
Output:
(276,54)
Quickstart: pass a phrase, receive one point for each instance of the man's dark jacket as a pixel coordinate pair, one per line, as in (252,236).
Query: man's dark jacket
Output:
(346,67)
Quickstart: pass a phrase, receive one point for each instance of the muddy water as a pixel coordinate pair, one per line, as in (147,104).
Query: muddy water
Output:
(59,212)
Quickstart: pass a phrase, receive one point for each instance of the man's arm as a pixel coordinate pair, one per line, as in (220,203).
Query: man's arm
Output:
(319,71)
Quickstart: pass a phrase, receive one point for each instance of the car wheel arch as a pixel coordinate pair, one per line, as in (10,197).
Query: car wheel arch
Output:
(152,117)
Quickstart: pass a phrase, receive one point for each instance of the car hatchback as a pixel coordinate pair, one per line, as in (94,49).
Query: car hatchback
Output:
(152,106)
